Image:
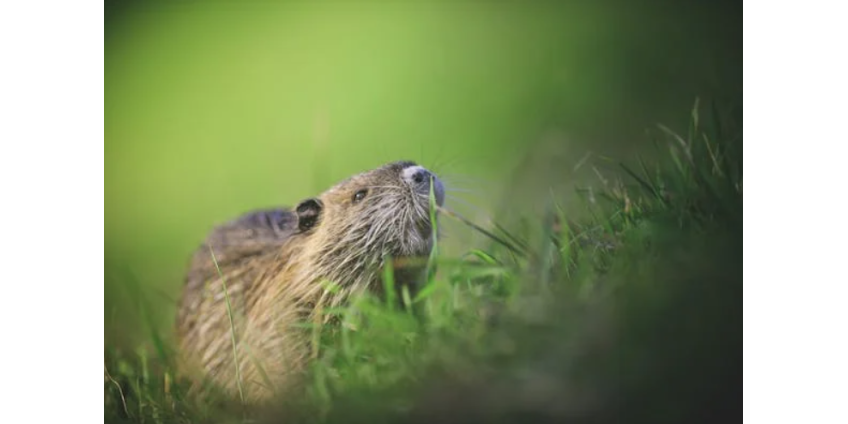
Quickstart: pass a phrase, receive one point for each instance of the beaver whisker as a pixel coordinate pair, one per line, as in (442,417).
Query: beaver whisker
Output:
(381,195)
(422,212)
(475,208)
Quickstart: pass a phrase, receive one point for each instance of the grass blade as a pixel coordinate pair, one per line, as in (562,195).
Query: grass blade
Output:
(232,325)
(389,282)
(497,239)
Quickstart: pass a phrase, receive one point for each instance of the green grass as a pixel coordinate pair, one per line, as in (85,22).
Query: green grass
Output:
(232,325)
(633,314)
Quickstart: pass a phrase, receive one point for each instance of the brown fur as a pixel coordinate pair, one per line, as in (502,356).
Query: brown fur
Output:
(274,262)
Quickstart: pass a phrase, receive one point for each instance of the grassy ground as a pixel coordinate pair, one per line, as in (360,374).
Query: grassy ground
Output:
(631,314)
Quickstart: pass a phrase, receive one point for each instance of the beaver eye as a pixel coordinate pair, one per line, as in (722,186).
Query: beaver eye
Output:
(359,195)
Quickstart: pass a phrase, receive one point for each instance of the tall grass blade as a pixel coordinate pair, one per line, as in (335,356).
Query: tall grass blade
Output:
(435,233)
(232,325)
(497,239)
(642,182)
(389,282)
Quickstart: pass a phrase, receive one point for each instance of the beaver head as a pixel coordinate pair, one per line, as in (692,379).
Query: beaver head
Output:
(350,228)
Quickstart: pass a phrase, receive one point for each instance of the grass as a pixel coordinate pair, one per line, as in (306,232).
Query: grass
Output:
(630,315)
(232,325)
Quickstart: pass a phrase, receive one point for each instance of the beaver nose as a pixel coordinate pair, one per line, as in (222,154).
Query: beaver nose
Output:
(419,178)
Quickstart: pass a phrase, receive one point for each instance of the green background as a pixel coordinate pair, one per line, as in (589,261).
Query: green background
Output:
(216,108)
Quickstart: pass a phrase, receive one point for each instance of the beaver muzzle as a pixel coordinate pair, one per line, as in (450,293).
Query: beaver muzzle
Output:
(419,178)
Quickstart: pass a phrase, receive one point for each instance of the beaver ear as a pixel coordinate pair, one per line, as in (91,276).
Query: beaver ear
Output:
(308,212)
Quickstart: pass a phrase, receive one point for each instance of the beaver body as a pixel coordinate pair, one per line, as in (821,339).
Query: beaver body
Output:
(274,263)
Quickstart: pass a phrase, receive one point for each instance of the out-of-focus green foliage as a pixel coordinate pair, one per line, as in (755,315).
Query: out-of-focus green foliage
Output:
(213,109)
(632,314)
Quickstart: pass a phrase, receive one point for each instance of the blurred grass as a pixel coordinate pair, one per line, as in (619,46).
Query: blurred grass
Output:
(213,109)
(632,315)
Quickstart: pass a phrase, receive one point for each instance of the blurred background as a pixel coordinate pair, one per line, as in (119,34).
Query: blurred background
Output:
(216,108)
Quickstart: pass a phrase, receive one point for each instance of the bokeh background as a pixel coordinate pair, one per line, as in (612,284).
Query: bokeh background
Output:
(215,108)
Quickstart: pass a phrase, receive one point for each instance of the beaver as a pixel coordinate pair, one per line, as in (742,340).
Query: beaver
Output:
(274,264)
